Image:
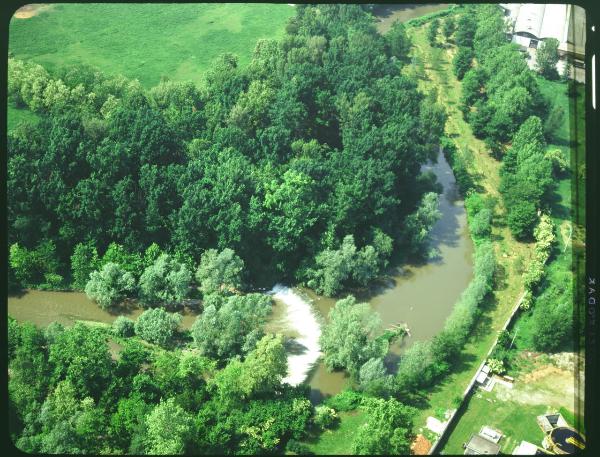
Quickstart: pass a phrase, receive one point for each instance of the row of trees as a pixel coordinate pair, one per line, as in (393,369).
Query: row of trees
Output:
(317,139)
(502,102)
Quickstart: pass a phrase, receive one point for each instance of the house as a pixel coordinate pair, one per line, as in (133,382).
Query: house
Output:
(479,445)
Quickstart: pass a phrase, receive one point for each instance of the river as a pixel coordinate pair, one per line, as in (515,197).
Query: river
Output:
(422,296)
(387,14)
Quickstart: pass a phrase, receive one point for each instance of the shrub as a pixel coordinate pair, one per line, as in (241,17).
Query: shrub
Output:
(298,448)
(110,285)
(496,366)
(325,417)
(346,400)
(157,326)
(123,326)
(52,331)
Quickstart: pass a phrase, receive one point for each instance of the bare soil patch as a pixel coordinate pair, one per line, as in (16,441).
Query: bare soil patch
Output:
(28,11)
(420,445)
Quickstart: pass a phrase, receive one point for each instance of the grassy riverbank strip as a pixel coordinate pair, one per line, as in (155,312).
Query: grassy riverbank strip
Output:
(484,169)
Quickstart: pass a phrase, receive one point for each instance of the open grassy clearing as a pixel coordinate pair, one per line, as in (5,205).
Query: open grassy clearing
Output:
(439,76)
(514,420)
(15,116)
(175,40)
(339,440)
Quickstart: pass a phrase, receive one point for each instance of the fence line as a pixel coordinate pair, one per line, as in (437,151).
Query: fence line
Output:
(473,379)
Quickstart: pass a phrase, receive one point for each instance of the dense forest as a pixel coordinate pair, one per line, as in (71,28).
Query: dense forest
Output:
(306,163)
(303,166)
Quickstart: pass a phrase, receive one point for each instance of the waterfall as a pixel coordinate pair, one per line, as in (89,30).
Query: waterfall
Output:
(300,317)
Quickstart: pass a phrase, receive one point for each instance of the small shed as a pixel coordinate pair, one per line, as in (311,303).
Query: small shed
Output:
(490,434)
(478,445)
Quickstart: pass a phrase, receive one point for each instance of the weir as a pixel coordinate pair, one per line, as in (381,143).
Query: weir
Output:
(299,317)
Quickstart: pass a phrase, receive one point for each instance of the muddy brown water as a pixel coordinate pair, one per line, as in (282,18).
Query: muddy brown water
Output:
(389,13)
(43,307)
(422,296)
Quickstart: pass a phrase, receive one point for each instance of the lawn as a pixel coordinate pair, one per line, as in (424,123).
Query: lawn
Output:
(15,116)
(515,421)
(339,440)
(176,40)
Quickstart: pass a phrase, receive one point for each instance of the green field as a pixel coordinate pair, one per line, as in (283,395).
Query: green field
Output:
(517,422)
(338,440)
(146,41)
(15,116)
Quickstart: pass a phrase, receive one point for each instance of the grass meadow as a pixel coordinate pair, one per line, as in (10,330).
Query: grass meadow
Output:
(145,41)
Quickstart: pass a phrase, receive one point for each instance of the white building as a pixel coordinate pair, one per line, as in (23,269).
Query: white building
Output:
(531,23)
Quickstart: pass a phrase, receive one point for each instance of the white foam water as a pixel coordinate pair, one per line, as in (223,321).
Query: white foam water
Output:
(300,317)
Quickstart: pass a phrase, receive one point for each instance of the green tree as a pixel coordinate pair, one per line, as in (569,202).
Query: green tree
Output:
(432,32)
(347,339)
(170,428)
(461,63)
(481,224)
(546,58)
(398,41)
(123,327)
(224,331)
(80,355)
(219,271)
(110,285)
(387,430)
(448,27)
(465,30)
(83,262)
(265,366)
(165,281)
(157,326)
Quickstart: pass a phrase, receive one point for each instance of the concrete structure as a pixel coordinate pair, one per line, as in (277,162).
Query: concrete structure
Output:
(527,448)
(490,434)
(478,445)
(548,422)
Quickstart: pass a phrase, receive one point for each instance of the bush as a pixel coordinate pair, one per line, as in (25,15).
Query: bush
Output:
(157,326)
(481,224)
(52,331)
(346,400)
(325,417)
(110,285)
(298,448)
(123,326)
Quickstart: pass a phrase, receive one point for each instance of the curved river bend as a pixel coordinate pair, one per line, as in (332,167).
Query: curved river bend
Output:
(422,296)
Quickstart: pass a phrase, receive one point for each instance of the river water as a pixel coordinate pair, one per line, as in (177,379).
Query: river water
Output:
(422,296)
(387,14)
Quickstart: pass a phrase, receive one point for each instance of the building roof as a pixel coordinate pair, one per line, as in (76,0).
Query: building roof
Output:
(478,445)
(530,18)
(525,448)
